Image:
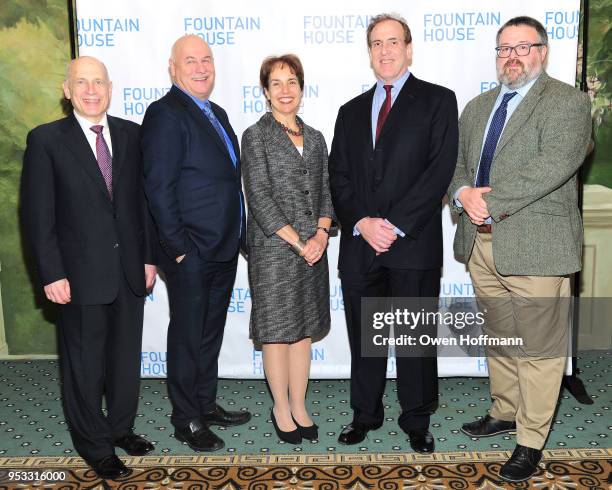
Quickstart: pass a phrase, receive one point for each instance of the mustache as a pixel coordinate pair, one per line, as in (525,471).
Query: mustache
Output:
(513,63)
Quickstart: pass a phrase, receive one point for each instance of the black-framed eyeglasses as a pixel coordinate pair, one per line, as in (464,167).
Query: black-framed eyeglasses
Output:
(520,49)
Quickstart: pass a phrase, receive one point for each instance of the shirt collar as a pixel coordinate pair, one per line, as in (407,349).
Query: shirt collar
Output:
(397,84)
(521,91)
(86,124)
(199,102)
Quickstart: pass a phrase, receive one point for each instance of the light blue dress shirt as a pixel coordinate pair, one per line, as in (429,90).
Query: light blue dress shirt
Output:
(521,93)
(377,102)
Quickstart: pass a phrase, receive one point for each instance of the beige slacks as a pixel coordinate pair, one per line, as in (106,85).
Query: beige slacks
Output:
(524,381)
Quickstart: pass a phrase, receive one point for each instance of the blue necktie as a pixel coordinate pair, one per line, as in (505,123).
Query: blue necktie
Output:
(219,129)
(495,131)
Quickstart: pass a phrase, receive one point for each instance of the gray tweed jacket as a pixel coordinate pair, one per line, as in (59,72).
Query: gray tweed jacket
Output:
(537,228)
(281,186)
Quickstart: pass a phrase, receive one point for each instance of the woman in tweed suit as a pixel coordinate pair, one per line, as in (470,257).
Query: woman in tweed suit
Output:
(284,166)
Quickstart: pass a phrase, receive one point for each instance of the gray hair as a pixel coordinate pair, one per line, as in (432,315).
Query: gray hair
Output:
(390,16)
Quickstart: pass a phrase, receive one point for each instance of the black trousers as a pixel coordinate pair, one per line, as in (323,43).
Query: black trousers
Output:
(199,293)
(99,347)
(417,377)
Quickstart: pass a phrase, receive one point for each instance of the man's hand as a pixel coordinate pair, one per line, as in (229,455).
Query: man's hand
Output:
(315,247)
(377,232)
(179,258)
(58,291)
(150,275)
(474,204)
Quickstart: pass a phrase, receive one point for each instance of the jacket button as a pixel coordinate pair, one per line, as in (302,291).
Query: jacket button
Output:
(116,245)
(472,170)
(305,172)
(306,192)
(308,213)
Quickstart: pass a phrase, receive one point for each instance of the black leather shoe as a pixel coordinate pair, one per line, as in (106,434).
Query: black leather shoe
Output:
(198,437)
(292,436)
(310,433)
(134,445)
(111,468)
(421,441)
(522,464)
(488,426)
(353,433)
(225,418)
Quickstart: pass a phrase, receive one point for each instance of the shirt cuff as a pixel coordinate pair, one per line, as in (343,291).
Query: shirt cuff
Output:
(396,230)
(456,196)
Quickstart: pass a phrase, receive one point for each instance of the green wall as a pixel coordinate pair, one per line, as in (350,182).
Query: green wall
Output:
(598,169)
(34,50)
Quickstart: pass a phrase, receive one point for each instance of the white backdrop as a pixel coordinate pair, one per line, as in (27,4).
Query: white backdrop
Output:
(453,46)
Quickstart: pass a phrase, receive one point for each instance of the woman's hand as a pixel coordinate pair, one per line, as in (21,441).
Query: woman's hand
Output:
(315,247)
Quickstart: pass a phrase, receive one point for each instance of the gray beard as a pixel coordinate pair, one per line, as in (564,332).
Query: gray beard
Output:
(522,80)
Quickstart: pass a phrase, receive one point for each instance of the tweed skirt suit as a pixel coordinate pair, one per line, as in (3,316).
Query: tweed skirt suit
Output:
(290,299)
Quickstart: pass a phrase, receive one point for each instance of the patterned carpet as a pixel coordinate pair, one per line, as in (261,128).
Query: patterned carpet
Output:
(35,438)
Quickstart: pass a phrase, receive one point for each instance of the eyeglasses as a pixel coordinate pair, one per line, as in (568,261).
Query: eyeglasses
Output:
(519,49)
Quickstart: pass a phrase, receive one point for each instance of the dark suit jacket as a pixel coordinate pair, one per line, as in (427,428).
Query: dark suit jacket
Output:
(193,189)
(403,179)
(75,230)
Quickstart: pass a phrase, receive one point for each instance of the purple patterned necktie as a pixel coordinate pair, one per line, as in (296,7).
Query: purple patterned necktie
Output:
(105,160)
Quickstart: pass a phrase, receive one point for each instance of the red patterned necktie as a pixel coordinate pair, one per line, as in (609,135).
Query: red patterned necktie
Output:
(105,160)
(384,110)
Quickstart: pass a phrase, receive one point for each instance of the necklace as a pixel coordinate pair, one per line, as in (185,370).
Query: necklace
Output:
(290,131)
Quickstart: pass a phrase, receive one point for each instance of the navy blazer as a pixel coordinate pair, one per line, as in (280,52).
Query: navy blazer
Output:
(403,178)
(75,230)
(193,188)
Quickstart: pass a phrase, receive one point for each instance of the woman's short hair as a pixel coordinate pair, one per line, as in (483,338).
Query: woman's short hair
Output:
(271,62)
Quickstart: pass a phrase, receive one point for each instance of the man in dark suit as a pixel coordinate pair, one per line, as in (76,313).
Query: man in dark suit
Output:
(192,180)
(392,157)
(87,222)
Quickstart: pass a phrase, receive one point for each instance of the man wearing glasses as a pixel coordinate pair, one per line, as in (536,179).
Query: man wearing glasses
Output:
(520,232)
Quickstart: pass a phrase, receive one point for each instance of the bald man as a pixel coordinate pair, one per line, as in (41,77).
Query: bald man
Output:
(86,219)
(192,180)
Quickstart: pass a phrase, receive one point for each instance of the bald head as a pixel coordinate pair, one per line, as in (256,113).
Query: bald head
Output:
(192,66)
(88,87)
(84,59)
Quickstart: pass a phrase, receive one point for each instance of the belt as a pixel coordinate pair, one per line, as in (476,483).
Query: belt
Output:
(484,228)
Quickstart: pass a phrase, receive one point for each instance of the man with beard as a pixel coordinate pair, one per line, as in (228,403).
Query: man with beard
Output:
(519,231)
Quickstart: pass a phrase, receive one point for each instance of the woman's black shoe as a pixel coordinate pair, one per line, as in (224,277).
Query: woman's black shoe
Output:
(292,437)
(311,432)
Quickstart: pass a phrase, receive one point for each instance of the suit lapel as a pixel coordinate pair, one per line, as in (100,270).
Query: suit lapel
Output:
(198,115)
(365,127)
(522,112)
(480,125)
(309,142)
(76,142)
(119,142)
(401,106)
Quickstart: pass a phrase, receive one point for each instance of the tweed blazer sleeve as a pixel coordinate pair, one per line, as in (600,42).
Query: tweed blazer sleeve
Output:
(255,172)
(462,176)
